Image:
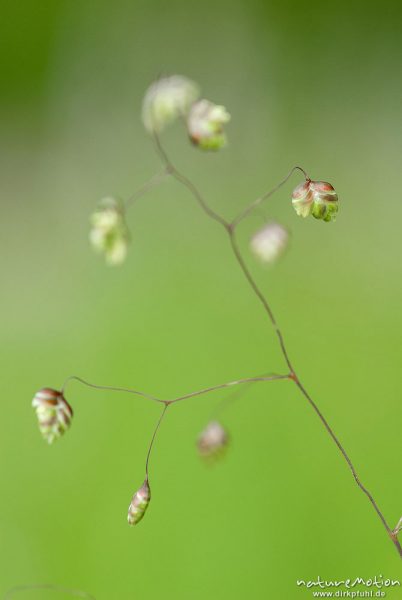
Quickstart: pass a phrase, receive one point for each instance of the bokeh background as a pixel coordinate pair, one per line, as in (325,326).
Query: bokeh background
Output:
(310,83)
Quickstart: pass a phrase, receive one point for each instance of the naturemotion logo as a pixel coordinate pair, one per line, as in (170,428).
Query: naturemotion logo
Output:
(358,587)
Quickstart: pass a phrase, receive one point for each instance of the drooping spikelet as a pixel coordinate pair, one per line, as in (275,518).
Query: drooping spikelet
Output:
(205,125)
(109,234)
(166,100)
(212,441)
(139,504)
(269,243)
(316,198)
(53,412)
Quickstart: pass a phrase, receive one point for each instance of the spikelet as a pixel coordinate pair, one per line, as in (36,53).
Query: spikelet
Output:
(212,441)
(205,125)
(53,412)
(316,198)
(109,233)
(139,504)
(167,99)
(269,243)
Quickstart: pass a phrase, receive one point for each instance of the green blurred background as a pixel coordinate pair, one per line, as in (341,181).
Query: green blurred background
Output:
(312,83)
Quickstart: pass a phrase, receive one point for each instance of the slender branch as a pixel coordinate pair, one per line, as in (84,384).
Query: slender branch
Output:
(50,587)
(244,213)
(260,296)
(230,228)
(179,398)
(109,388)
(229,384)
(146,187)
(153,439)
(167,403)
(233,397)
(188,184)
(346,457)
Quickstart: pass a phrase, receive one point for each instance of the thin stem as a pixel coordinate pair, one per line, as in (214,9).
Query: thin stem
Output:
(271,316)
(179,398)
(346,457)
(146,187)
(233,397)
(109,388)
(229,384)
(260,296)
(351,466)
(244,213)
(50,587)
(188,184)
(153,439)
(230,228)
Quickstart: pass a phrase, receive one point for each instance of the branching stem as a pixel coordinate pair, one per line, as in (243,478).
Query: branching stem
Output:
(207,390)
(188,184)
(167,403)
(230,227)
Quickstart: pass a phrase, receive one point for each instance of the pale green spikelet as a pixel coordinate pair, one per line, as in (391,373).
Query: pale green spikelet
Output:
(167,99)
(109,233)
(269,243)
(326,201)
(139,504)
(53,412)
(205,125)
(316,198)
(213,441)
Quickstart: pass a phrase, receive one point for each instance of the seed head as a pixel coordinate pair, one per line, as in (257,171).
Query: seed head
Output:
(269,243)
(139,504)
(53,412)
(213,441)
(109,234)
(317,198)
(167,99)
(205,125)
